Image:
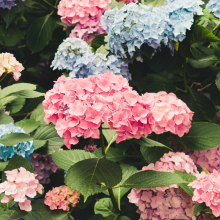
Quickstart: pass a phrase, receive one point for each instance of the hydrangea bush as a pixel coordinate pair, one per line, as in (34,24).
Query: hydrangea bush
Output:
(109,110)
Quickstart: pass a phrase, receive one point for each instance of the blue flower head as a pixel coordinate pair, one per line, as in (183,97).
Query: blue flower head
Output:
(7,4)
(68,52)
(24,149)
(214,6)
(136,24)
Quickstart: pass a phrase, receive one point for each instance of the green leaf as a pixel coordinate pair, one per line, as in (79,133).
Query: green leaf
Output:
(154,3)
(16,105)
(217,81)
(5,119)
(204,61)
(39,143)
(103,49)
(113,154)
(123,218)
(105,208)
(153,154)
(143,141)
(43,212)
(40,33)
(202,106)
(6,100)
(11,36)
(202,34)
(153,83)
(110,135)
(198,207)
(151,178)
(38,114)
(6,214)
(3,165)
(17,162)
(28,125)
(16,88)
(15,138)
(66,158)
(188,178)
(98,41)
(28,94)
(201,136)
(17,214)
(92,176)
(114,4)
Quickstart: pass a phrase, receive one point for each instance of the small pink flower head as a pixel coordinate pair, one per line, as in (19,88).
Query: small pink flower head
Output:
(8,64)
(20,184)
(90,148)
(61,197)
(207,190)
(167,202)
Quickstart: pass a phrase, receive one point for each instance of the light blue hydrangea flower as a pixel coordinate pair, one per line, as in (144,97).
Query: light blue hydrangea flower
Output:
(98,63)
(7,4)
(214,6)
(24,149)
(134,25)
(68,52)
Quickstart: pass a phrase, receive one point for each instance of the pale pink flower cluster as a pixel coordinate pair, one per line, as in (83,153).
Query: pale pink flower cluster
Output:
(207,189)
(90,148)
(167,202)
(9,64)
(73,11)
(44,166)
(20,185)
(61,197)
(77,107)
(89,30)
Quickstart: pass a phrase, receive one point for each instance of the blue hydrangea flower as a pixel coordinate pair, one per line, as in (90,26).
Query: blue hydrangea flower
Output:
(68,52)
(136,24)
(214,6)
(7,4)
(24,149)
(98,63)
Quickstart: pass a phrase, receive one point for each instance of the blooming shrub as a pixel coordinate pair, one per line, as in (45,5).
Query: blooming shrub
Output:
(44,166)
(214,6)
(8,63)
(61,197)
(24,149)
(20,185)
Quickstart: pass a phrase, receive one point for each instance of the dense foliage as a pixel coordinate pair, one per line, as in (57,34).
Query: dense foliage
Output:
(109,110)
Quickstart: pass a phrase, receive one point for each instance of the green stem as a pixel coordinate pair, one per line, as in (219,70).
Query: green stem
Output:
(180,89)
(216,26)
(50,4)
(102,143)
(140,155)
(3,77)
(113,201)
(184,75)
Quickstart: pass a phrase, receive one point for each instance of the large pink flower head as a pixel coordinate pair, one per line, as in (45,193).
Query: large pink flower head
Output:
(207,189)
(8,64)
(61,198)
(44,166)
(73,11)
(20,185)
(77,107)
(89,30)
(167,202)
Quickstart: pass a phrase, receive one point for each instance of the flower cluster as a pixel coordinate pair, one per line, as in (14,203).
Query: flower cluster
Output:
(89,30)
(136,24)
(167,202)
(207,190)
(214,6)
(90,148)
(61,197)
(8,64)
(78,106)
(20,185)
(75,55)
(127,1)
(24,149)
(80,11)
(7,4)
(44,166)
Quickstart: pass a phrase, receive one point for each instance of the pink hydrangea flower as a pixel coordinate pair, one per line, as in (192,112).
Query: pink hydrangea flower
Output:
(77,107)
(8,64)
(167,202)
(207,190)
(20,184)
(44,166)
(61,198)
(73,11)
(89,30)
(90,148)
